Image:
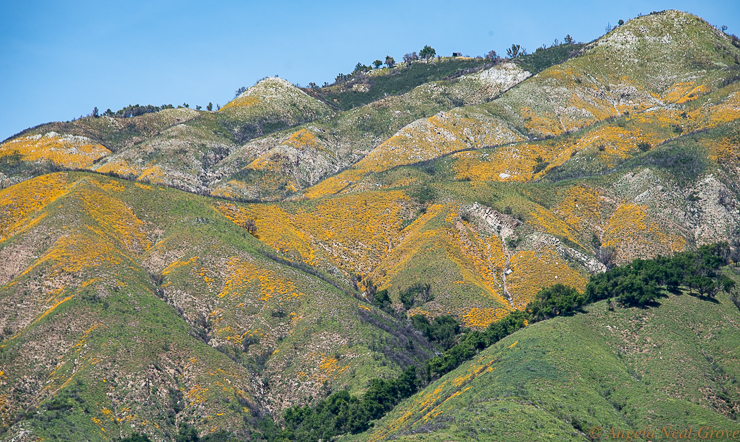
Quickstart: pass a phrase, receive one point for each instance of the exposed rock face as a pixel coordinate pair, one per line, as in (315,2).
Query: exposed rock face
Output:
(504,225)
(714,211)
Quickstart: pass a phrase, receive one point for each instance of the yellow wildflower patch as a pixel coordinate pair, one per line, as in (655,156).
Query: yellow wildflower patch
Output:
(245,101)
(196,395)
(243,273)
(67,151)
(580,207)
(274,228)
(634,234)
(533,270)
(483,317)
(112,215)
(72,253)
(552,224)
(683,92)
(509,163)
(20,203)
(118,166)
(352,231)
(153,174)
(177,264)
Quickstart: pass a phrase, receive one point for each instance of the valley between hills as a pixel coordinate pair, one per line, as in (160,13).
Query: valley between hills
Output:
(194,275)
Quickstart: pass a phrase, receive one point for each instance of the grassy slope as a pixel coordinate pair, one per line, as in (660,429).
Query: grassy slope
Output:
(674,365)
(139,287)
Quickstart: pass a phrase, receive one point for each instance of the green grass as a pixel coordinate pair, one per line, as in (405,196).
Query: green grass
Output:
(623,368)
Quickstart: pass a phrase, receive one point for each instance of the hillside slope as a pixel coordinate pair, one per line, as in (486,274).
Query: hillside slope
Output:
(273,167)
(145,309)
(642,67)
(627,369)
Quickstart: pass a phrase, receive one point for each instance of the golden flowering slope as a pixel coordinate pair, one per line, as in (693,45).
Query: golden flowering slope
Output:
(184,155)
(144,309)
(275,166)
(665,199)
(178,147)
(85,311)
(275,97)
(600,83)
(390,240)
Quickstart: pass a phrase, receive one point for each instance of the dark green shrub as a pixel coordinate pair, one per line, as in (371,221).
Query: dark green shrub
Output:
(417,292)
(555,300)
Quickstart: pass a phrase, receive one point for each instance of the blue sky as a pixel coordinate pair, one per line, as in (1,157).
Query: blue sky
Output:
(58,60)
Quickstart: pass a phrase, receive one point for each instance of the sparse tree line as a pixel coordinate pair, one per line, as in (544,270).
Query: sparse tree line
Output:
(427,53)
(136,110)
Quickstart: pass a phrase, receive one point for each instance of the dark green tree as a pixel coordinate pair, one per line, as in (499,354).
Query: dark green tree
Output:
(514,51)
(187,434)
(382,300)
(389,61)
(427,52)
(377,63)
(555,300)
(359,67)
(209,108)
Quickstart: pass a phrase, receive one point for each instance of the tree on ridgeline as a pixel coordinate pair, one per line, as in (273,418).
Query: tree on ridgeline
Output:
(410,57)
(492,56)
(427,52)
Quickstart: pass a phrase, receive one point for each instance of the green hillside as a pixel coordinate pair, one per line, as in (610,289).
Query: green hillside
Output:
(195,274)
(673,366)
(164,313)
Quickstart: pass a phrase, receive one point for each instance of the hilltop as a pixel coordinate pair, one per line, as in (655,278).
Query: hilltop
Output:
(186,269)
